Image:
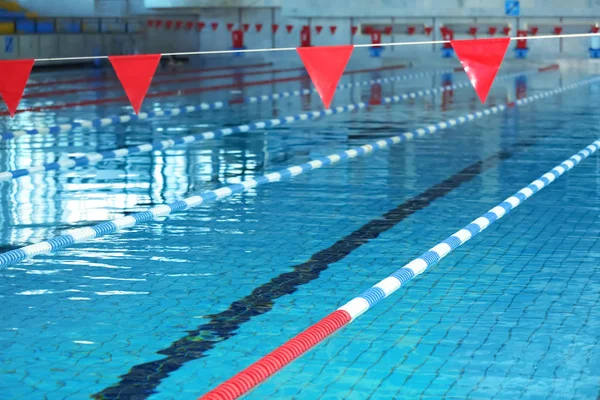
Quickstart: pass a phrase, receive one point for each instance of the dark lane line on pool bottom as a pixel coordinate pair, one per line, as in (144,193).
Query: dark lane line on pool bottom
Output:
(143,379)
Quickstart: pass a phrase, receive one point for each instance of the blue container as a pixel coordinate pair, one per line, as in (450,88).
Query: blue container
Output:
(25,26)
(45,27)
(376,51)
(72,27)
(594,53)
(521,53)
(447,53)
(238,48)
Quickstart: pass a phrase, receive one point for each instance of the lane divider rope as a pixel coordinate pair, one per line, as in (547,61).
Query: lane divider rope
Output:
(292,349)
(79,235)
(117,86)
(126,118)
(94,157)
(182,71)
(155,82)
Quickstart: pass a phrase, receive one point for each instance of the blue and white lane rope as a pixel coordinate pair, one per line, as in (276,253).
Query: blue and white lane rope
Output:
(79,235)
(273,362)
(93,158)
(123,119)
(389,285)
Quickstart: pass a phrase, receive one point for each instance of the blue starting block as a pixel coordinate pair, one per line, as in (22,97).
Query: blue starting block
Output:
(237,54)
(447,53)
(376,51)
(97,61)
(521,53)
(594,53)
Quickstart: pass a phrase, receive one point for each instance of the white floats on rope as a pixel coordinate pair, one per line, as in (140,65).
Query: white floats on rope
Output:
(79,235)
(429,42)
(94,158)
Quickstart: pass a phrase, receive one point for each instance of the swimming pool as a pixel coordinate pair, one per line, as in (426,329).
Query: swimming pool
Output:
(173,307)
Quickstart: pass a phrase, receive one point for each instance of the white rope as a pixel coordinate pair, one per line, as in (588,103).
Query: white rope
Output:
(193,53)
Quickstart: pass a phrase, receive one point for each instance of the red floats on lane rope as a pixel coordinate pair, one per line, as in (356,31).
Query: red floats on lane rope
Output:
(135,74)
(325,66)
(481,60)
(279,358)
(13,78)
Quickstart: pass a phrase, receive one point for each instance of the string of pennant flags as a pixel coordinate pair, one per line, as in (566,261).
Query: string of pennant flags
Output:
(481,59)
(367,29)
(199,26)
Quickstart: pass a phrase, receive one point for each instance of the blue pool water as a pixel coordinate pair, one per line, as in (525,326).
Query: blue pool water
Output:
(170,309)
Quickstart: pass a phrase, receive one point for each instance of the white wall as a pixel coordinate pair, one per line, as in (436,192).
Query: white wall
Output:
(212,3)
(431,8)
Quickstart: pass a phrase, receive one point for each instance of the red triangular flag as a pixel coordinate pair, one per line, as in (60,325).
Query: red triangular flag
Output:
(246,27)
(13,78)
(318,28)
(135,74)
(353,30)
(189,25)
(159,23)
(168,24)
(178,24)
(274,28)
(229,26)
(200,26)
(289,28)
(481,59)
(214,25)
(332,29)
(258,27)
(150,23)
(325,66)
